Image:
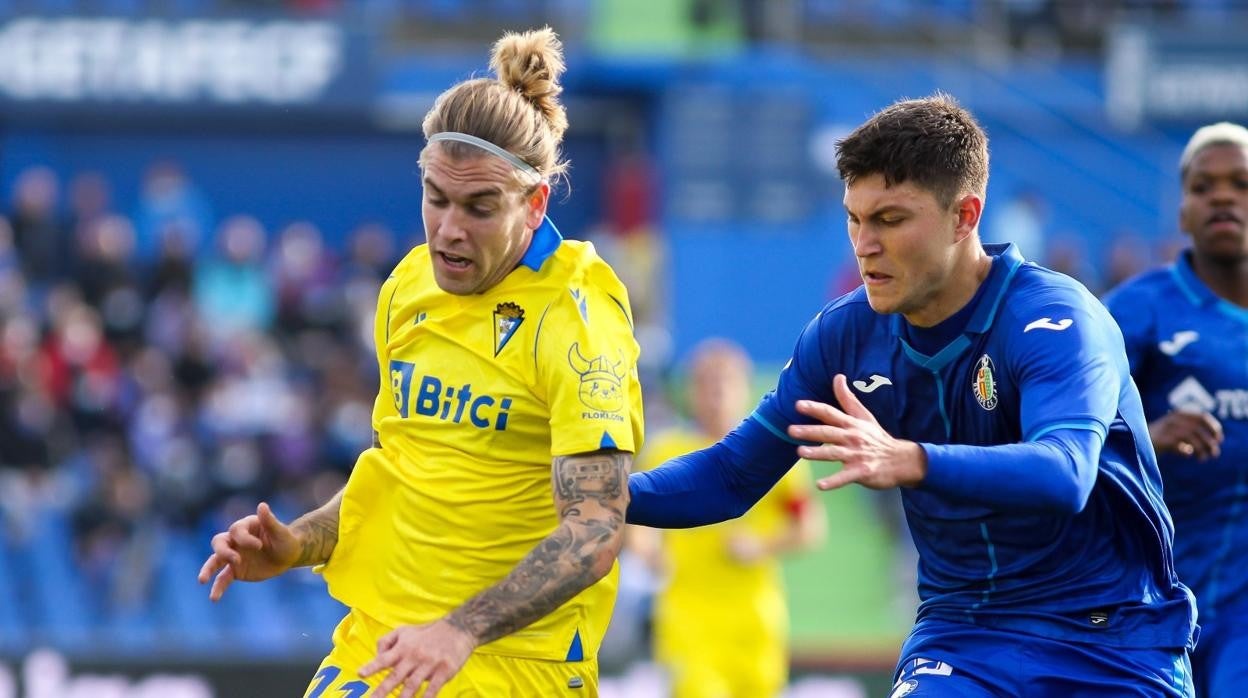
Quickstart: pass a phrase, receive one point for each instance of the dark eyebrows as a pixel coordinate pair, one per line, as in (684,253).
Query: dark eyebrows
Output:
(1207,176)
(882,211)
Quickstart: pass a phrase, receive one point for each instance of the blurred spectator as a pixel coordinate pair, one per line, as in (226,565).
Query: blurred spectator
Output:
(114,559)
(80,371)
(38,233)
(171,272)
(232,292)
(24,415)
(108,278)
(170,204)
(90,199)
(306,280)
(371,252)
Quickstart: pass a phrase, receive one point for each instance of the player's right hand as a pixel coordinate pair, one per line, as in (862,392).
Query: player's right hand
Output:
(256,547)
(1190,434)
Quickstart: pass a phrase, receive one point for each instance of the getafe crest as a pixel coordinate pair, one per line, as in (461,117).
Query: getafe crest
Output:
(984,383)
(507,318)
(601,388)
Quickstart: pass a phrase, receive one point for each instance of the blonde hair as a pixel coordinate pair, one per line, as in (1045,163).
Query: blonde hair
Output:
(518,110)
(1221,133)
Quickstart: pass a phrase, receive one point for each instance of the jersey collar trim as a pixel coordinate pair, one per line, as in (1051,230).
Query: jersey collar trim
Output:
(998,282)
(1192,287)
(942,358)
(1198,293)
(545,241)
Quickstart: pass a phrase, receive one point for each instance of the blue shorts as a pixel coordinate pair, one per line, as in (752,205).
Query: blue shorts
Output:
(941,658)
(1220,662)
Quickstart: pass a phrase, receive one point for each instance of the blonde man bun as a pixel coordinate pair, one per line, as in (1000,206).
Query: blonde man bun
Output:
(519,111)
(531,64)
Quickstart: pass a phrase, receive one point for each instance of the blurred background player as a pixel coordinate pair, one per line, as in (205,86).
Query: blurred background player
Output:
(500,345)
(721,617)
(1186,329)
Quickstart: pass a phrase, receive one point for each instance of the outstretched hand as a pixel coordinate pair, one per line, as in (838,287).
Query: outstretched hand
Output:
(852,436)
(256,547)
(414,654)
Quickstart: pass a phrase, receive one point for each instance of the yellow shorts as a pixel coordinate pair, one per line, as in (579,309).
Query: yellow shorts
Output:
(483,676)
(727,665)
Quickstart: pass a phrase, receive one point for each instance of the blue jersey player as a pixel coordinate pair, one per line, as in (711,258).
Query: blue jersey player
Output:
(1186,329)
(997,395)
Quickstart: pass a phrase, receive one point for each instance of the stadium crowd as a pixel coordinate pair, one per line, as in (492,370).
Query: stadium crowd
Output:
(162,370)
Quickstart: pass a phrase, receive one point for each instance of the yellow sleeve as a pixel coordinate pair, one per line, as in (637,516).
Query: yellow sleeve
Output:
(587,366)
(389,387)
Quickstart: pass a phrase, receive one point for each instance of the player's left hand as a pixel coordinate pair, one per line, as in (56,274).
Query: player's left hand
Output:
(414,654)
(868,454)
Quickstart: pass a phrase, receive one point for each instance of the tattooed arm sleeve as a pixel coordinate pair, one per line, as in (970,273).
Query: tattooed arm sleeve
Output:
(317,532)
(591,495)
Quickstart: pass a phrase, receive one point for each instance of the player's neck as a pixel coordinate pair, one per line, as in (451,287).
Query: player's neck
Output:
(1227,279)
(960,289)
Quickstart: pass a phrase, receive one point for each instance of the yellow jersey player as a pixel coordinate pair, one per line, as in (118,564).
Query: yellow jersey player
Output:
(502,348)
(721,618)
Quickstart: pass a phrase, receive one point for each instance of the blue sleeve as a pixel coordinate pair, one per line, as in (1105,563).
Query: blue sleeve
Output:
(1134,315)
(715,484)
(722,482)
(1065,354)
(806,376)
(1053,474)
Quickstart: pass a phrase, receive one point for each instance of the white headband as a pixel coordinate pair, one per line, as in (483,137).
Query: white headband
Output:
(486,146)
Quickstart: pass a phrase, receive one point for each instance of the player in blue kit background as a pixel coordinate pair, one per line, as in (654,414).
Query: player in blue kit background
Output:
(1186,330)
(997,396)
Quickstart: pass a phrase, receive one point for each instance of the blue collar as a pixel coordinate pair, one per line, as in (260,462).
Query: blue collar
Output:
(990,294)
(546,240)
(997,283)
(1192,287)
(1198,293)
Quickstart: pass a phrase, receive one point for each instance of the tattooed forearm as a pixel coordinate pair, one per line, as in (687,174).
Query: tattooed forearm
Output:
(591,495)
(318,532)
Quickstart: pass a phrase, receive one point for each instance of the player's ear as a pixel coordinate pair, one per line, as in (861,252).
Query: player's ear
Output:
(968,210)
(535,203)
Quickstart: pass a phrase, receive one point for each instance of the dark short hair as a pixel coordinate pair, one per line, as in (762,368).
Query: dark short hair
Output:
(932,142)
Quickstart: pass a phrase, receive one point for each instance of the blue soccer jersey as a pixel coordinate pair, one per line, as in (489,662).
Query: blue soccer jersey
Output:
(1041,511)
(1187,349)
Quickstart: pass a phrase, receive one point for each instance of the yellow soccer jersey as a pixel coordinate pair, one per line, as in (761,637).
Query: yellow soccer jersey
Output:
(478,393)
(705,580)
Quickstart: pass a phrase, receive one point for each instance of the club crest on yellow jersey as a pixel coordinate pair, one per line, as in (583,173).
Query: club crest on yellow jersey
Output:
(507,319)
